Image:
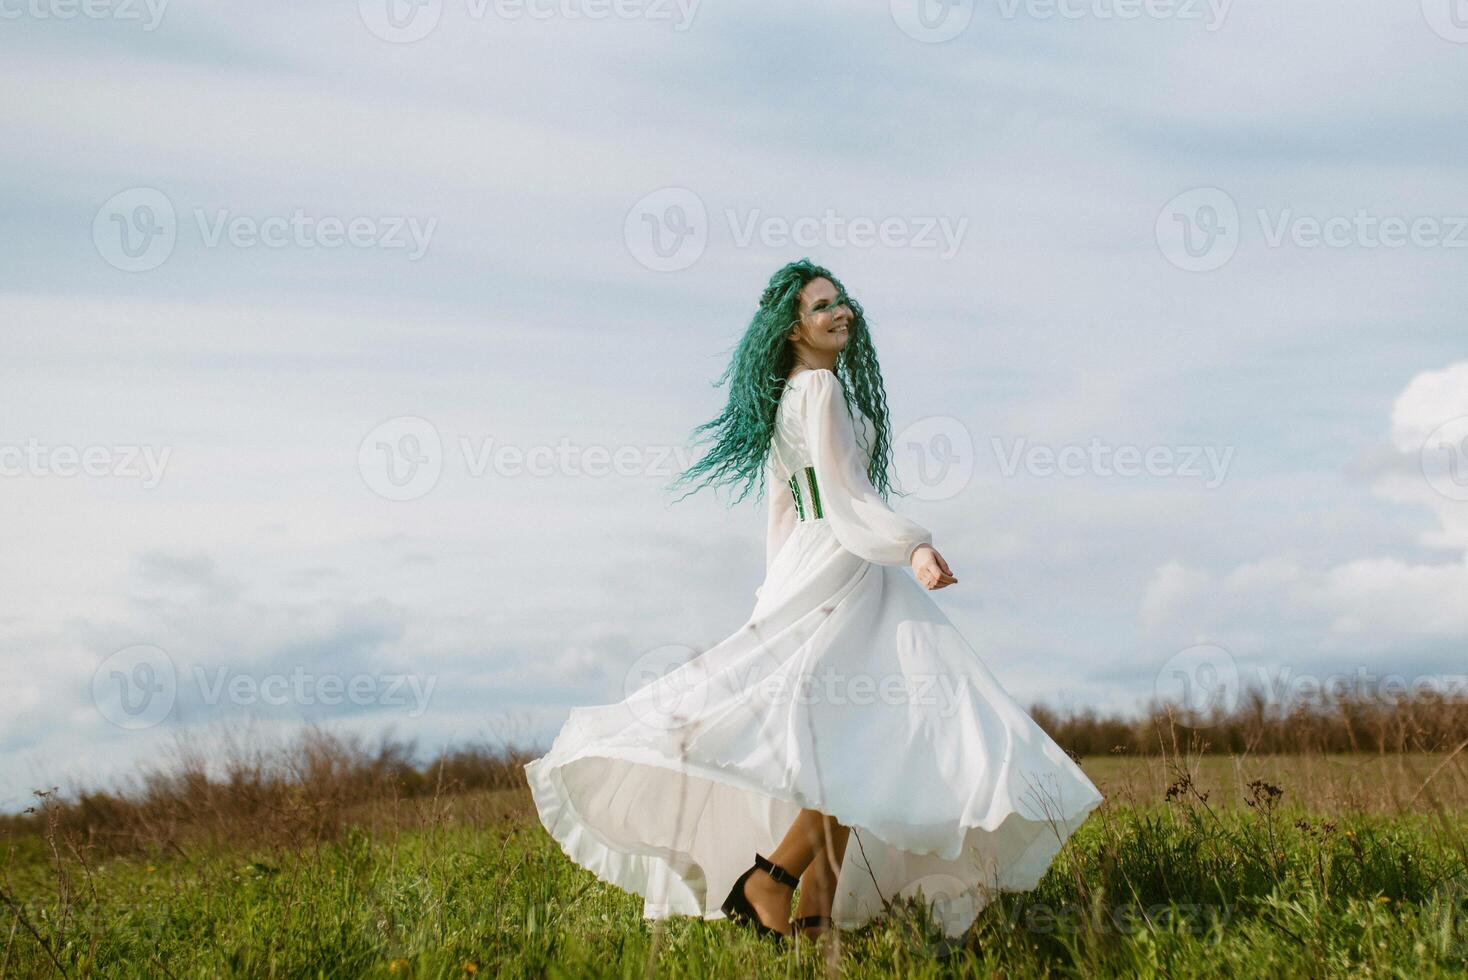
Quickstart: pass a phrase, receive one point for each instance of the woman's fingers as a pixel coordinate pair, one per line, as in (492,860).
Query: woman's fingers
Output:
(937,580)
(932,570)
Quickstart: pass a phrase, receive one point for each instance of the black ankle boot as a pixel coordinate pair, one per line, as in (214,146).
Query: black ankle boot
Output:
(738,907)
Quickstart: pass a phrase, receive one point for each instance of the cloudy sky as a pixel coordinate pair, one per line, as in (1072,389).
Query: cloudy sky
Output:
(348,347)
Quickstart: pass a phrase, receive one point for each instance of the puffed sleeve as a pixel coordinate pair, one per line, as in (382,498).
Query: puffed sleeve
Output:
(864,523)
(782,513)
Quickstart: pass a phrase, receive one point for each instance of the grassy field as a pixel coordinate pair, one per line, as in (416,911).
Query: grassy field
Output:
(1215,866)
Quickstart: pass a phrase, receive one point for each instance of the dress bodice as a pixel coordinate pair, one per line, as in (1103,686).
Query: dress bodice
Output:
(817,435)
(789,449)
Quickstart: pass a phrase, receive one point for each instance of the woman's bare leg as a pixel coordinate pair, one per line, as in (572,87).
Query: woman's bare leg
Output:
(810,834)
(818,884)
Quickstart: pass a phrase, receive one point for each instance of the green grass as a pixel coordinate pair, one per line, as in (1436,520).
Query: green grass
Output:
(1181,887)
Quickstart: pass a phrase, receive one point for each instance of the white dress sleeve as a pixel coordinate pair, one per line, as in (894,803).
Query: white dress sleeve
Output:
(864,523)
(782,513)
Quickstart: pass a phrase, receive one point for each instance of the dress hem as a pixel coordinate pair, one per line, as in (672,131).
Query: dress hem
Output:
(579,841)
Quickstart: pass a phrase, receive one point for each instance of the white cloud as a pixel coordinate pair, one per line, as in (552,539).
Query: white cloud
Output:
(1368,607)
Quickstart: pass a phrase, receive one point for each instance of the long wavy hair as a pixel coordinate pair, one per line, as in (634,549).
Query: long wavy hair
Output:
(756,376)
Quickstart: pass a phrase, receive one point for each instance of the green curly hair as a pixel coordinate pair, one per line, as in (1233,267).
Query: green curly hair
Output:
(756,375)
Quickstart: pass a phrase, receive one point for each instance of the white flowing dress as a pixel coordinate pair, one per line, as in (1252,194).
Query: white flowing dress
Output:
(847,691)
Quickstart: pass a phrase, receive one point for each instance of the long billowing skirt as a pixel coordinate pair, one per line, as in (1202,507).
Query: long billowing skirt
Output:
(847,691)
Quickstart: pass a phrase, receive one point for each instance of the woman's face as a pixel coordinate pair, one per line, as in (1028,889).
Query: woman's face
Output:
(825,319)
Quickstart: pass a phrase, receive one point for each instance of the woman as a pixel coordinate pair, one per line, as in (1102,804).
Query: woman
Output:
(847,706)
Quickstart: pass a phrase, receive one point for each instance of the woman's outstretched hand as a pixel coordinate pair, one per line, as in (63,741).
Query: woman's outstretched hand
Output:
(930,568)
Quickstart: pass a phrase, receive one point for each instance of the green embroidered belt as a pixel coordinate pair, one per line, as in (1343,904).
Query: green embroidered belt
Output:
(803,487)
